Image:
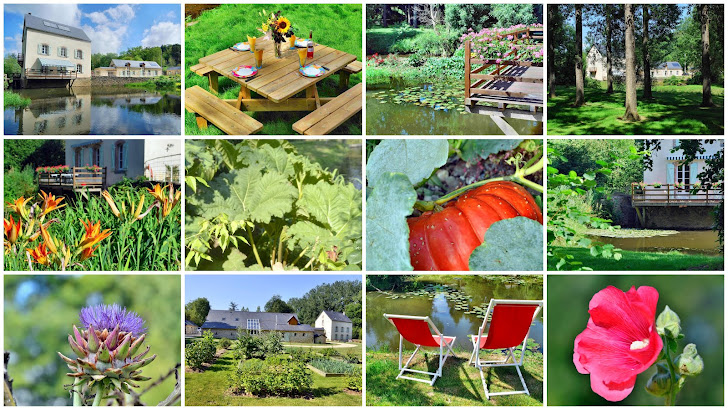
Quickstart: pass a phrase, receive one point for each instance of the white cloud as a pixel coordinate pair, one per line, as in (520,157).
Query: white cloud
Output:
(113,16)
(105,39)
(62,13)
(14,44)
(162,33)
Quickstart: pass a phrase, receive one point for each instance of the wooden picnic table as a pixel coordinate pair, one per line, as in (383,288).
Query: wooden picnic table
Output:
(278,81)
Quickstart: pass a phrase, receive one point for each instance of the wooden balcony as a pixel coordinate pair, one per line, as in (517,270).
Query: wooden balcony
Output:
(47,75)
(78,179)
(669,195)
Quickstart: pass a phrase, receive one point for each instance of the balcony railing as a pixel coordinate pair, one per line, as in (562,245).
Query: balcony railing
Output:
(670,195)
(41,74)
(77,179)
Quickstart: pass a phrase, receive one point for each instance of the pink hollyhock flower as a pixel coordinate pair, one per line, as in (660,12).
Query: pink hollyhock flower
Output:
(620,340)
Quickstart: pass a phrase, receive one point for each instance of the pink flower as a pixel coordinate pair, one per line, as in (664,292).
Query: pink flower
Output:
(498,61)
(620,340)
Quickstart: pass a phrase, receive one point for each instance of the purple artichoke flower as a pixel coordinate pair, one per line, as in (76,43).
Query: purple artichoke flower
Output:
(109,316)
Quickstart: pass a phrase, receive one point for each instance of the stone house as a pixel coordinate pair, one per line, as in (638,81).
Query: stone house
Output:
(177,70)
(336,325)
(225,323)
(52,50)
(667,167)
(129,68)
(191,328)
(667,70)
(159,160)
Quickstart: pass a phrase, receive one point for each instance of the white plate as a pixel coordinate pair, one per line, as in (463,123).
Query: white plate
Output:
(312,70)
(241,47)
(301,43)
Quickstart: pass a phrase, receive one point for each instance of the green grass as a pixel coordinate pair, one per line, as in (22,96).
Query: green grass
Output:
(12,99)
(210,388)
(647,261)
(394,39)
(335,25)
(674,110)
(459,385)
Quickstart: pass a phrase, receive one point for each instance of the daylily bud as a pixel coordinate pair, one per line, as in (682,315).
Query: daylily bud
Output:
(689,363)
(659,383)
(668,323)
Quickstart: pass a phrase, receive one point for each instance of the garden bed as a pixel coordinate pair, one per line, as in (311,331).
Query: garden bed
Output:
(331,368)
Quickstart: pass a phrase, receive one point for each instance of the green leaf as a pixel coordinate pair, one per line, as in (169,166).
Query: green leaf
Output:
(388,206)
(416,159)
(191,182)
(509,245)
(247,194)
(334,206)
(473,149)
(235,261)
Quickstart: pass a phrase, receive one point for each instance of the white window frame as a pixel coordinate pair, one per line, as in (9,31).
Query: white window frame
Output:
(45,49)
(253,326)
(79,54)
(79,68)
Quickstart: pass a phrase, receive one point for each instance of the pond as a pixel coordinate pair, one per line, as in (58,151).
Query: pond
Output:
(444,305)
(692,242)
(441,116)
(98,111)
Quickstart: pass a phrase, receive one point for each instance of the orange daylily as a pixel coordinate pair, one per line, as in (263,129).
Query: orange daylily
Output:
(107,196)
(87,253)
(39,254)
(18,206)
(50,202)
(169,203)
(93,235)
(48,240)
(12,230)
(157,192)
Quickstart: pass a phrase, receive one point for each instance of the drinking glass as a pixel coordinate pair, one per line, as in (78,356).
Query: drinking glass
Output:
(292,40)
(302,56)
(259,59)
(251,41)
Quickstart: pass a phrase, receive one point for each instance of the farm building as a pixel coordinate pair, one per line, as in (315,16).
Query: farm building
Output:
(129,68)
(191,329)
(225,323)
(336,325)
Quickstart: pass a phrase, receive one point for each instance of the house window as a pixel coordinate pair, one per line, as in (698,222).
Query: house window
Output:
(79,54)
(79,68)
(63,52)
(96,156)
(120,157)
(237,319)
(78,154)
(44,49)
(683,175)
(336,328)
(294,334)
(254,326)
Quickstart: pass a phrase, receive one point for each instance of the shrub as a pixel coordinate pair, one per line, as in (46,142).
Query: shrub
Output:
(332,366)
(417,59)
(354,380)
(330,352)
(20,183)
(351,358)
(201,351)
(447,67)
(302,355)
(249,346)
(461,17)
(592,83)
(274,376)
(224,343)
(674,80)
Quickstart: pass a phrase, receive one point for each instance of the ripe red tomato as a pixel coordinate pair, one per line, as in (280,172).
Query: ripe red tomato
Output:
(444,240)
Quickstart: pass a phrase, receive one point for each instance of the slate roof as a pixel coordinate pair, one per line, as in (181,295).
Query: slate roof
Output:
(188,323)
(337,316)
(173,68)
(134,63)
(37,23)
(225,319)
(670,65)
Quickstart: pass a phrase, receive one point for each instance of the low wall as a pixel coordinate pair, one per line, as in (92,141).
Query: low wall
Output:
(111,81)
(673,217)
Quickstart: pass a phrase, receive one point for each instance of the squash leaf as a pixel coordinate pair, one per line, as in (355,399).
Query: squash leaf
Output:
(388,206)
(514,244)
(473,149)
(248,195)
(416,159)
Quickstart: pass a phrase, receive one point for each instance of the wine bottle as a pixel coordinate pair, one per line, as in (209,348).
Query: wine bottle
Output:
(309,52)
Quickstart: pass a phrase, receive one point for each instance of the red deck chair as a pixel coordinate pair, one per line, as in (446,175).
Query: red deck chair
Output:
(419,330)
(510,322)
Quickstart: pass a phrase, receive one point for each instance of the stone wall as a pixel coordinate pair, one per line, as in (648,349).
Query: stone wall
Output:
(673,217)
(112,81)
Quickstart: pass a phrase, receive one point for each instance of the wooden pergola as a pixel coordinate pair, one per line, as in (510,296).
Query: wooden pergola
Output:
(508,82)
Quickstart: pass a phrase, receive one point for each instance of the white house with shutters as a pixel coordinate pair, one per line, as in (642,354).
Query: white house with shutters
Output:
(158,160)
(53,50)
(336,325)
(667,167)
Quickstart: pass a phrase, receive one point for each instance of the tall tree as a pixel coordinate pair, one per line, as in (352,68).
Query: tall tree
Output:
(551,10)
(630,103)
(244,309)
(578,60)
(233,307)
(385,15)
(197,310)
(610,57)
(277,305)
(257,309)
(705,63)
(646,64)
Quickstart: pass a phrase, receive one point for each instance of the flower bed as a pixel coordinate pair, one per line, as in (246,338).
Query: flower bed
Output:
(497,45)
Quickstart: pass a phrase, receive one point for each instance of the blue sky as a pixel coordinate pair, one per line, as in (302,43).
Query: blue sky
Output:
(112,28)
(252,291)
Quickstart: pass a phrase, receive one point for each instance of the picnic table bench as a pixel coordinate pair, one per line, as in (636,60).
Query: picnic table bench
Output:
(278,81)
(207,107)
(334,113)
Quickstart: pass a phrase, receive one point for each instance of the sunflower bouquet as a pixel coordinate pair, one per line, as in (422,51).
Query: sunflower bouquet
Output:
(276,26)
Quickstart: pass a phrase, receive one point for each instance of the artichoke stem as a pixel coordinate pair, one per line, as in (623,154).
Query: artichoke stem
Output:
(76,392)
(99,395)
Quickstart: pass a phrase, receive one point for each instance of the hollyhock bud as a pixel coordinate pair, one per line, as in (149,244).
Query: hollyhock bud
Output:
(668,323)
(689,363)
(659,383)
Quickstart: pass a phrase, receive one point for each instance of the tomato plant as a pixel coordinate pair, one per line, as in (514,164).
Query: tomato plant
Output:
(491,223)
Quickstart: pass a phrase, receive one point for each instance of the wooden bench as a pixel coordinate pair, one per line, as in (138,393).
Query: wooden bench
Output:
(352,68)
(332,114)
(206,71)
(207,107)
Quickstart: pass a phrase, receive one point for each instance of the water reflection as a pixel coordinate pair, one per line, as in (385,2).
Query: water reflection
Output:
(120,111)
(450,321)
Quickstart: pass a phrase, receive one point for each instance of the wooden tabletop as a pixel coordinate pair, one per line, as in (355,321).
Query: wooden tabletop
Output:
(279,78)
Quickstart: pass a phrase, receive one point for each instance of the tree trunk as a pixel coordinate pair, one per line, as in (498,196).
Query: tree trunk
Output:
(646,64)
(415,16)
(551,54)
(705,63)
(630,102)
(385,15)
(578,63)
(610,77)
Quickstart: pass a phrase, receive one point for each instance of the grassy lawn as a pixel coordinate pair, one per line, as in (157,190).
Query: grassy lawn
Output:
(395,39)
(674,110)
(12,99)
(335,25)
(210,388)
(459,385)
(648,261)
